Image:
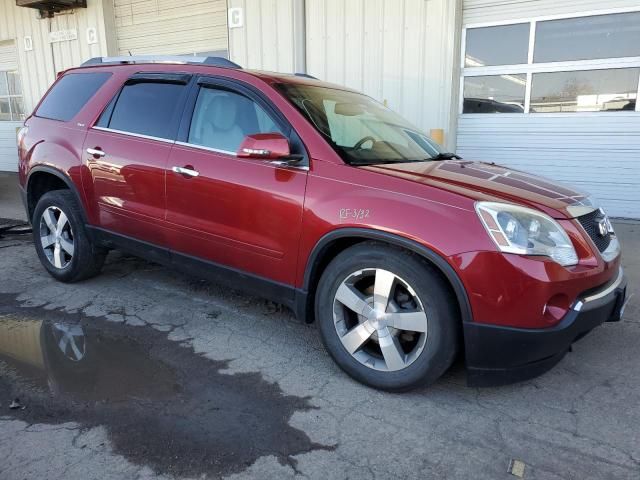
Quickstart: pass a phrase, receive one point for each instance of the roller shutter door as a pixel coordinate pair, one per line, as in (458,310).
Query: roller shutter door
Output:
(8,150)
(596,151)
(165,27)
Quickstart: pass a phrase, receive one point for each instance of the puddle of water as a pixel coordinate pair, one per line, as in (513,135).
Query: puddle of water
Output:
(162,405)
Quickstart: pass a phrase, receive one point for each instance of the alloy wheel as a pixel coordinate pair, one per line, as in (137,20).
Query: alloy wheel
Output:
(379,319)
(56,237)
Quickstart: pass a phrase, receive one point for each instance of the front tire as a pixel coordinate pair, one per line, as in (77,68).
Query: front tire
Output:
(61,239)
(387,317)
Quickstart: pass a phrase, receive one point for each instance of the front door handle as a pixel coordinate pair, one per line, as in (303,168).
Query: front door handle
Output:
(96,152)
(187,171)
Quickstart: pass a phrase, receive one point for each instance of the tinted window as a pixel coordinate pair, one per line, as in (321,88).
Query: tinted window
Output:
(146,108)
(494,93)
(585,91)
(70,94)
(585,38)
(222,119)
(501,45)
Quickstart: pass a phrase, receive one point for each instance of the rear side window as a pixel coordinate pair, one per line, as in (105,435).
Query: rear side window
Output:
(145,108)
(70,94)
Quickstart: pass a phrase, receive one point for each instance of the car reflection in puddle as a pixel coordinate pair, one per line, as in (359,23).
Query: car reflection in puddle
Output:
(162,405)
(63,359)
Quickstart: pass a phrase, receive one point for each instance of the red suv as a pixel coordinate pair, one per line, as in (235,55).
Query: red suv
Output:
(324,200)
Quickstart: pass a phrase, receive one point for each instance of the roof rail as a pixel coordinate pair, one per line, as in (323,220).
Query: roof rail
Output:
(305,75)
(180,59)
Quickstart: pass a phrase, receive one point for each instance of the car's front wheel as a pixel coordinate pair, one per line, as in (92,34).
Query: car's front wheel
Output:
(387,317)
(61,240)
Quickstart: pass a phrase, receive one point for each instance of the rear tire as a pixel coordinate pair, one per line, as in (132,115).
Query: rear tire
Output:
(400,330)
(61,239)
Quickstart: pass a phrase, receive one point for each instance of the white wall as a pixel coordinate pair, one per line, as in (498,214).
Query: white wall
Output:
(478,11)
(268,39)
(404,52)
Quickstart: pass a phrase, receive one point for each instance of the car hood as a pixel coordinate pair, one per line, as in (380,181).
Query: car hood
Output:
(490,182)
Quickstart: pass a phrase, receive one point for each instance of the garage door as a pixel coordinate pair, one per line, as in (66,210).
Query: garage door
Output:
(10,106)
(165,27)
(555,95)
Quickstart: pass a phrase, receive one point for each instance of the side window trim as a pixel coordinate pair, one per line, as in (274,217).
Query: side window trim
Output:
(132,134)
(241,88)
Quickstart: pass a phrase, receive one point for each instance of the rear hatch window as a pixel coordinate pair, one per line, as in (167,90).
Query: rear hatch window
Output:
(70,94)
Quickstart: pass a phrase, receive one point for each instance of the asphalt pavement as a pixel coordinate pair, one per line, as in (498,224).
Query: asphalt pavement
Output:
(143,372)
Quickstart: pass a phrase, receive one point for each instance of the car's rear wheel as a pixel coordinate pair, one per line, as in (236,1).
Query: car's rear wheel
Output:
(61,240)
(387,317)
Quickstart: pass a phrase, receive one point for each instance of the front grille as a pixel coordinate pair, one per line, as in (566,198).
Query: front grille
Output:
(590,223)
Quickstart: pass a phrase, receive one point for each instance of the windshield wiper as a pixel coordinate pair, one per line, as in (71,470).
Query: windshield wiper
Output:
(446,156)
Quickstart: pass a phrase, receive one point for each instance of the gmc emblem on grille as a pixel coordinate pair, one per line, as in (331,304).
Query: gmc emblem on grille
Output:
(603,228)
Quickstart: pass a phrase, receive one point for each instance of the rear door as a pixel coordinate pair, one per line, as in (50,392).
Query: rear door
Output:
(127,153)
(242,213)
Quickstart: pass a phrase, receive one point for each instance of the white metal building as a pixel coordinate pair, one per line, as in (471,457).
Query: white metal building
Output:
(544,86)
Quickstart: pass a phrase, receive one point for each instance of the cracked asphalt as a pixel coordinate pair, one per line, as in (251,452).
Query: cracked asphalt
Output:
(193,380)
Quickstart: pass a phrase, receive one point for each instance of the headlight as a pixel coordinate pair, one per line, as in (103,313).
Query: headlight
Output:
(525,231)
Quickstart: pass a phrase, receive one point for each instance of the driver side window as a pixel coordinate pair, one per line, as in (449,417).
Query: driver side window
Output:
(221,119)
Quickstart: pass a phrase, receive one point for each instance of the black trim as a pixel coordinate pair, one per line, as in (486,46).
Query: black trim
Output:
(369,234)
(159,77)
(237,279)
(25,201)
(62,176)
(497,355)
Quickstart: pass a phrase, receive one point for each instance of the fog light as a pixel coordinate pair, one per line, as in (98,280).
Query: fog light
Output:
(555,308)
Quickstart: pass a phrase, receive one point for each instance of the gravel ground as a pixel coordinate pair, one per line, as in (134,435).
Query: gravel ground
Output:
(181,378)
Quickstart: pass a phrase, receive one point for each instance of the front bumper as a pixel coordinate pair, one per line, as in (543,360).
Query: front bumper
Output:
(497,355)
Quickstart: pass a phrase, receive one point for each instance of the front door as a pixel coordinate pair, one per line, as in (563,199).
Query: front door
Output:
(127,153)
(241,213)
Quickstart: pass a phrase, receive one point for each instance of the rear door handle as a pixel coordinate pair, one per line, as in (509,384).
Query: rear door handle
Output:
(189,172)
(96,152)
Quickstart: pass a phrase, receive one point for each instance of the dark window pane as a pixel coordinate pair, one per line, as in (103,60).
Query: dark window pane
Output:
(585,91)
(70,94)
(500,45)
(15,87)
(17,108)
(4,86)
(222,119)
(494,94)
(585,38)
(5,112)
(147,108)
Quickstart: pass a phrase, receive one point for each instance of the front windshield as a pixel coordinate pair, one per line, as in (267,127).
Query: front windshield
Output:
(361,130)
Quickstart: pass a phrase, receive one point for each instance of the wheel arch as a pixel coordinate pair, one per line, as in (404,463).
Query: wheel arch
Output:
(43,179)
(337,240)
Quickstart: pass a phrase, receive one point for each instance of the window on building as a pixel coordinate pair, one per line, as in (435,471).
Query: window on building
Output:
(494,93)
(500,45)
(588,38)
(70,94)
(145,108)
(578,64)
(585,91)
(221,120)
(11,100)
